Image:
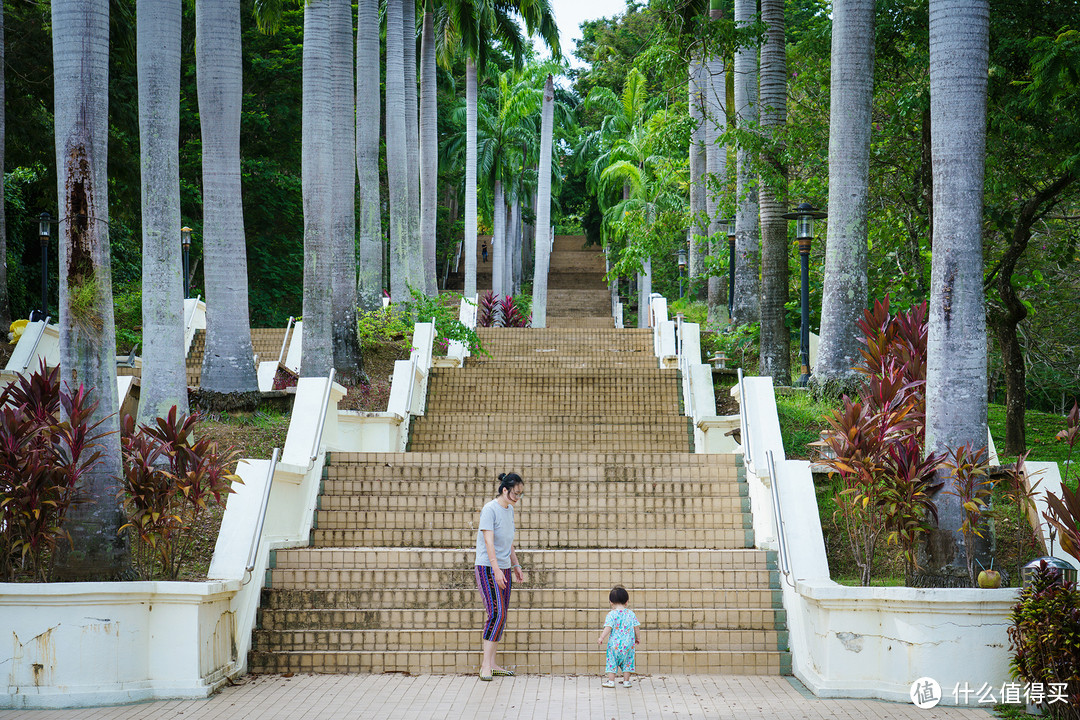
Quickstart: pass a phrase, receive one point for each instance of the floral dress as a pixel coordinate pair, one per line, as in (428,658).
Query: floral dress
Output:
(620,644)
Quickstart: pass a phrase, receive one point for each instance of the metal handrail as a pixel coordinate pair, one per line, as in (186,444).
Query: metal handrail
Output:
(322,416)
(253,550)
(412,383)
(744,418)
(194,305)
(285,340)
(33,350)
(778,520)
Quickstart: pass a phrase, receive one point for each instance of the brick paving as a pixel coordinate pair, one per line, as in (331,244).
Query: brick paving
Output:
(528,697)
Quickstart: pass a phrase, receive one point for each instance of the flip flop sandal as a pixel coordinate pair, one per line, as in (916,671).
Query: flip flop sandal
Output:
(503,673)
(486,678)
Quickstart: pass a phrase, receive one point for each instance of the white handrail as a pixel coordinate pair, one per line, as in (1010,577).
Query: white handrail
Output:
(33,350)
(191,315)
(285,340)
(322,417)
(253,550)
(778,520)
(744,420)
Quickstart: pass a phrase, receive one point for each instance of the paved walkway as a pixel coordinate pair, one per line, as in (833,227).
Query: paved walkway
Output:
(530,697)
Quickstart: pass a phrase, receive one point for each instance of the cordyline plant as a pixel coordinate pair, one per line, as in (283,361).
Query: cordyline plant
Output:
(1021,489)
(1063,511)
(494,311)
(170,478)
(971,484)
(42,460)
(1070,435)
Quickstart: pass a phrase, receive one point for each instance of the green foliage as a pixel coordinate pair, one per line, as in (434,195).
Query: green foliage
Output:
(127,309)
(802,420)
(42,461)
(443,311)
(972,486)
(1045,640)
(170,480)
(738,342)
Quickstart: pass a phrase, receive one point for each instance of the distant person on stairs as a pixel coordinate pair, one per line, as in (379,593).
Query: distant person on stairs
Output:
(483,251)
(494,552)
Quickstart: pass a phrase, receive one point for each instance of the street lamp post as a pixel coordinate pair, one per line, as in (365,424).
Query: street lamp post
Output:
(804,215)
(44,221)
(682,258)
(731,267)
(185,243)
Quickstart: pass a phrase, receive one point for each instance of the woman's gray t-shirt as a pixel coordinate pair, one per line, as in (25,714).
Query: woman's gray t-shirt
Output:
(501,521)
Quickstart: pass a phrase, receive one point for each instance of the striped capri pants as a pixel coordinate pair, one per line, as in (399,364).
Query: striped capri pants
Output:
(496,600)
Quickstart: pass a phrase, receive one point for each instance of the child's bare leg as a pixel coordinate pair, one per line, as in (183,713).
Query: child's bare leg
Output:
(611,677)
(626,676)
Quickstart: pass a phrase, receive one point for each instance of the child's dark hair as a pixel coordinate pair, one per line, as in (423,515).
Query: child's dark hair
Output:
(509,481)
(618,595)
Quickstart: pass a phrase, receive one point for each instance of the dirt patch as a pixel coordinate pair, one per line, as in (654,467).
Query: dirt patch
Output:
(379,368)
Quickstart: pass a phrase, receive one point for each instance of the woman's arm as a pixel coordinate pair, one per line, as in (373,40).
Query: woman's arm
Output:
(489,543)
(519,572)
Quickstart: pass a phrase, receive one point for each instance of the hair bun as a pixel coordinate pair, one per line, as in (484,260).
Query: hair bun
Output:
(502,476)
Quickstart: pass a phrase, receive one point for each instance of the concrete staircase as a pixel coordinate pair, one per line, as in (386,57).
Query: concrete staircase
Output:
(613,494)
(266,343)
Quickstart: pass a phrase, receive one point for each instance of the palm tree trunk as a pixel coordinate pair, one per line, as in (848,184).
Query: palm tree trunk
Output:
(845,282)
(164,375)
(429,148)
(775,350)
(470,177)
(956,346)
(368,121)
(699,246)
(228,363)
(543,208)
(747,308)
(715,88)
(498,241)
(515,225)
(397,168)
(87,335)
(418,278)
(343,219)
(644,291)
(318,179)
(5,303)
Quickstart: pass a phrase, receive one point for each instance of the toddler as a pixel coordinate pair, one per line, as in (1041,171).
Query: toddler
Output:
(622,635)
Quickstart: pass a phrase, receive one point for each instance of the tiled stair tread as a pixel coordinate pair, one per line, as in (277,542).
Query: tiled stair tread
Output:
(537,503)
(635,559)
(550,639)
(482,461)
(523,597)
(600,580)
(675,521)
(482,490)
(440,537)
(753,662)
(473,617)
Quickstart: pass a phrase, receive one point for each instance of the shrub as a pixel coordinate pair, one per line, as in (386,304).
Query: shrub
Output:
(1045,640)
(169,480)
(973,488)
(42,460)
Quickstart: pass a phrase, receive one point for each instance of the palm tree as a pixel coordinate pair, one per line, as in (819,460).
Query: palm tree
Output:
(5,307)
(956,343)
(715,88)
(80,31)
(368,122)
(747,307)
(347,359)
(429,147)
(845,286)
(228,361)
(318,177)
(543,207)
(418,280)
(775,349)
(397,163)
(699,247)
(164,375)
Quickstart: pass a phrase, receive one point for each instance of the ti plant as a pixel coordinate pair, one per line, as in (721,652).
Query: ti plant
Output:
(1063,514)
(1070,435)
(1020,489)
(170,478)
(969,469)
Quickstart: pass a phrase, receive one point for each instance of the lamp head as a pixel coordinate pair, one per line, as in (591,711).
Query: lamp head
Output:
(185,237)
(44,221)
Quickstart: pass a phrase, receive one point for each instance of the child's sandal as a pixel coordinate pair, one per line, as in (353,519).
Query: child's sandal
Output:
(609,683)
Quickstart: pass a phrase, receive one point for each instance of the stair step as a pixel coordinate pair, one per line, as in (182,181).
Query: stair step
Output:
(473,498)
(710,538)
(524,662)
(581,464)
(532,521)
(473,617)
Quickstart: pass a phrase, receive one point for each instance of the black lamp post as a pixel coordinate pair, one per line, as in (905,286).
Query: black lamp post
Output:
(804,215)
(185,243)
(682,258)
(731,266)
(44,221)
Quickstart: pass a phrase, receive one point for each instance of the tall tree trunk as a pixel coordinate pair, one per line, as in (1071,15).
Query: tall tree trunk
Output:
(498,241)
(699,245)
(368,121)
(228,362)
(543,208)
(5,301)
(747,308)
(317,168)
(515,225)
(716,167)
(956,347)
(80,30)
(418,278)
(775,350)
(644,291)
(429,148)
(164,372)
(845,284)
(347,361)
(470,177)
(397,163)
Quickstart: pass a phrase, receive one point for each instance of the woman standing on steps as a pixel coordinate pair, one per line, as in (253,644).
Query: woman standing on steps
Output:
(494,555)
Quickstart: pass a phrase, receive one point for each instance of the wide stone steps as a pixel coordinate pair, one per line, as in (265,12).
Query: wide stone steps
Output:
(592,618)
(546,360)
(554,432)
(578,322)
(548,406)
(709,538)
(467,497)
(530,521)
(588,660)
